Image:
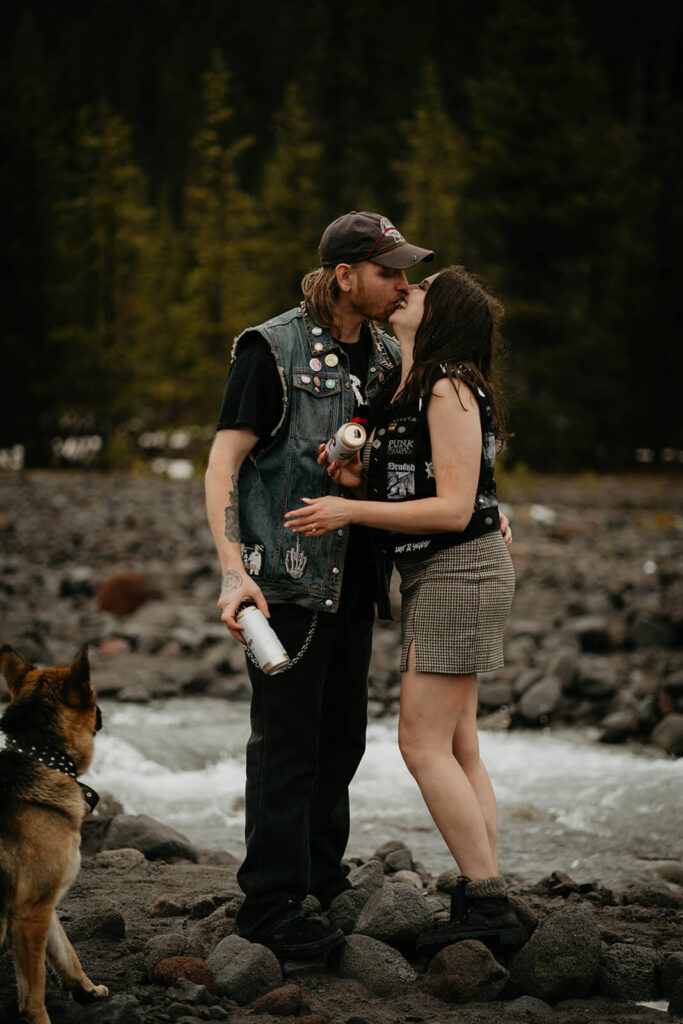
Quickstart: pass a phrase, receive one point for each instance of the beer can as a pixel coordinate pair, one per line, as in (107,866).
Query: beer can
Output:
(348,440)
(262,640)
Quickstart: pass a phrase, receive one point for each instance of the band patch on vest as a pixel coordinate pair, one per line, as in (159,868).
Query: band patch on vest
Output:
(400,446)
(252,557)
(400,480)
(295,561)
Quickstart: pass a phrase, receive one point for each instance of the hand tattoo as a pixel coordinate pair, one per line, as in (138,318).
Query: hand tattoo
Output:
(232,513)
(232,580)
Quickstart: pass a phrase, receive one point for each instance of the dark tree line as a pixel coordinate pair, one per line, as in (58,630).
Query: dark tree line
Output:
(168,168)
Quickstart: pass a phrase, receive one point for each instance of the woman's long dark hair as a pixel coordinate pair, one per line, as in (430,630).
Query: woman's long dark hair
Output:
(459,331)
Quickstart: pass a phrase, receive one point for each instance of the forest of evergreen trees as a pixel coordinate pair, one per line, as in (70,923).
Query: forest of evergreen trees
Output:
(168,168)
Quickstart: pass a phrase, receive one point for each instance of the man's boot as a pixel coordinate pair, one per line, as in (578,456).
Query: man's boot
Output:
(479,910)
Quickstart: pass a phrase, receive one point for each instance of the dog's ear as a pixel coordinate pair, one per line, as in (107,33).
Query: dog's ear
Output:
(14,668)
(78,680)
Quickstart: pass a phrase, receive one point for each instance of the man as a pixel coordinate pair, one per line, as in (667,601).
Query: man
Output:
(293,381)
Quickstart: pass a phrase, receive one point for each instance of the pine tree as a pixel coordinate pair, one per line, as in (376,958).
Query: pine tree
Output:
(432,175)
(220,226)
(292,202)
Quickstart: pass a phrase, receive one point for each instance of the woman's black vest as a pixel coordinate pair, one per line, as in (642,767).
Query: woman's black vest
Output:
(399,468)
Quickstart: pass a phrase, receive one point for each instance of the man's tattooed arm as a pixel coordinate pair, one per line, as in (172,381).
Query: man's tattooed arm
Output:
(232,580)
(232,513)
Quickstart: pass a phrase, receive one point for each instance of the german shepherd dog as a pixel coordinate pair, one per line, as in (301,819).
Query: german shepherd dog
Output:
(50,726)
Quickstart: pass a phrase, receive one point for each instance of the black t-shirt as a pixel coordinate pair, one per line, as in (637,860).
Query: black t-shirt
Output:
(253,398)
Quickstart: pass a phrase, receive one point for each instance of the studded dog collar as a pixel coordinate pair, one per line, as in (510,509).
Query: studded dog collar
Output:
(58,761)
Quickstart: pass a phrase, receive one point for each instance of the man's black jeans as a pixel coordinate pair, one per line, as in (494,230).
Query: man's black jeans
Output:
(307,739)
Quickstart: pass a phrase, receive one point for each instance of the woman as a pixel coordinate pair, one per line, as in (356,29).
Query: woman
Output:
(428,475)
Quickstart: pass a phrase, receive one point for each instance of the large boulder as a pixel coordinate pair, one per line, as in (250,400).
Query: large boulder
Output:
(156,841)
(465,972)
(378,966)
(396,914)
(562,957)
(244,970)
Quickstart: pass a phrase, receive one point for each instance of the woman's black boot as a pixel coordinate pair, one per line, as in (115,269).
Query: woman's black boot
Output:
(479,910)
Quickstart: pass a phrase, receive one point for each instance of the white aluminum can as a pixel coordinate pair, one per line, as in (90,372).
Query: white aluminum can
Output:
(348,440)
(262,640)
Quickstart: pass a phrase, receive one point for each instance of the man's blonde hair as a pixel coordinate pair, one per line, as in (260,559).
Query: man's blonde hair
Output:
(321,291)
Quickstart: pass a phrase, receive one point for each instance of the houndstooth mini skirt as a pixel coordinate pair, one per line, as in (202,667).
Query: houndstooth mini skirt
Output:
(454,606)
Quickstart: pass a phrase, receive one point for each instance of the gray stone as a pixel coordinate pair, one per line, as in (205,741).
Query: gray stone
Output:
(156,841)
(494,693)
(465,972)
(101,920)
(406,878)
(447,881)
(161,947)
(669,870)
(369,876)
(629,973)
(345,908)
(619,725)
(204,935)
(244,970)
(120,860)
(676,1000)
(668,734)
(562,957)
(378,966)
(597,679)
(398,860)
(541,699)
(652,894)
(672,971)
(184,991)
(527,1008)
(118,1009)
(396,914)
(652,629)
(592,632)
(674,683)
(563,664)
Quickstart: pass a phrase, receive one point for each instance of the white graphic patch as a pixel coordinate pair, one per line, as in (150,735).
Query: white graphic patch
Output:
(400,446)
(410,546)
(295,561)
(356,385)
(429,470)
(389,231)
(400,480)
(252,557)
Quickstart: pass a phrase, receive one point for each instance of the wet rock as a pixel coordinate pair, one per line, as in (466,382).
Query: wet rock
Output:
(668,734)
(541,699)
(156,841)
(396,914)
(188,992)
(123,593)
(244,970)
(465,972)
(281,1002)
(378,966)
(619,725)
(168,971)
(629,972)
(562,957)
(672,971)
(345,908)
(652,894)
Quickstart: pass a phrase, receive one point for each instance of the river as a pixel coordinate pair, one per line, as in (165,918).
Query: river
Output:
(566,803)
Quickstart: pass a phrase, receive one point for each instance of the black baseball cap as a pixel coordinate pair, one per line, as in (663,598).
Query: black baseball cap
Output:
(368,236)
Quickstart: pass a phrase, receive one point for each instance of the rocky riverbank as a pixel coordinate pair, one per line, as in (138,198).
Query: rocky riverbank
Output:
(153,918)
(127,564)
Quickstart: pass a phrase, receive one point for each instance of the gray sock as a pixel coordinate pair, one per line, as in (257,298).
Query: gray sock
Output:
(487,887)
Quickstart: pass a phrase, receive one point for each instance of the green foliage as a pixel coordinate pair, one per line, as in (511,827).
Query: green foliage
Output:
(291,202)
(432,174)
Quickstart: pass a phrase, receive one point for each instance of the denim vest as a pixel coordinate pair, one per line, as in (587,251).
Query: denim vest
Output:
(317,400)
